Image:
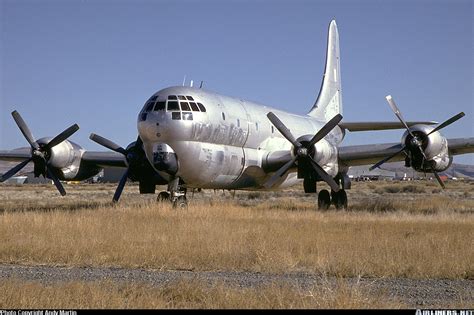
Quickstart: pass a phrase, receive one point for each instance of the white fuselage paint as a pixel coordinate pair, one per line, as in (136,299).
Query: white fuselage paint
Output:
(214,152)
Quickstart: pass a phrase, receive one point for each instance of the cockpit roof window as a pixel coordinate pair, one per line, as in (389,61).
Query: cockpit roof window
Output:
(172,97)
(153,98)
(185,106)
(160,105)
(190,98)
(194,106)
(182,97)
(173,105)
(202,108)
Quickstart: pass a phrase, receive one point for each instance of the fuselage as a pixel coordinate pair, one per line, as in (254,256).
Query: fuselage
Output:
(221,141)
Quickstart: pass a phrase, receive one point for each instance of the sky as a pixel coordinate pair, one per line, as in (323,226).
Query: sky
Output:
(95,63)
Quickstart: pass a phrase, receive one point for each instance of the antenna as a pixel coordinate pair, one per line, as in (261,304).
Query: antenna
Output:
(184,80)
(191,85)
(200,86)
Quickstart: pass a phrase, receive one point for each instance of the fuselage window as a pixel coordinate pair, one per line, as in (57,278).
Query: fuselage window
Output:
(181,97)
(176,115)
(202,108)
(272,129)
(184,106)
(160,105)
(190,98)
(173,105)
(223,116)
(187,116)
(172,97)
(194,106)
(149,106)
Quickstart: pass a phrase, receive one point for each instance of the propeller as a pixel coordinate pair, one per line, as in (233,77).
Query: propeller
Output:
(303,151)
(40,153)
(416,140)
(131,156)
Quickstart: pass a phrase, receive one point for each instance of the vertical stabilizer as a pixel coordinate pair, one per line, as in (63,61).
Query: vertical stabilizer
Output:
(329,101)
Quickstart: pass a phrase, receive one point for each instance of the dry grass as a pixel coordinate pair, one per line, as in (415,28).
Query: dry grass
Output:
(406,235)
(190,294)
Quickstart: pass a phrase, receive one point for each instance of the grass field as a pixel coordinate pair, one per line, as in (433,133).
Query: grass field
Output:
(391,229)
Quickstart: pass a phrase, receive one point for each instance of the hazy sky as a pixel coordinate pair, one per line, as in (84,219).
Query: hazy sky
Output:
(96,62)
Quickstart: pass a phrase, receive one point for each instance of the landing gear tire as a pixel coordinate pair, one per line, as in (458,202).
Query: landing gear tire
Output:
(163,196)
(180,203)
(324,200)
(339,199)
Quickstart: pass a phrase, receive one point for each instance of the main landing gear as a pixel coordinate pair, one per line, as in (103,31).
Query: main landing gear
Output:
(176,194)
(339,199)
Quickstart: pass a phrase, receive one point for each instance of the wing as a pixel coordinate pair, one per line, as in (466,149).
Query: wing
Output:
(372,153)
(104,159)
(91,158)
(380,125)
(20,154)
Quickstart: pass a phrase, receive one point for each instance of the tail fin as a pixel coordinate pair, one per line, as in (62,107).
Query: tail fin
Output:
(329,102)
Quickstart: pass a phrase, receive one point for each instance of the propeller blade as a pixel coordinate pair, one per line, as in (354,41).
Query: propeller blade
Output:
(107,143)
(279,173)
(448,122)
(120,186)
(56,181)
(25,130)
(14,170)
(330,125)
(62,136)
(386,159)
(325,176)
(439,180)
(283,130)
(397,113)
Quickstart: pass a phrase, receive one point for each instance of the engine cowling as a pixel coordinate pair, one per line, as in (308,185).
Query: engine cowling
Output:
(434,145)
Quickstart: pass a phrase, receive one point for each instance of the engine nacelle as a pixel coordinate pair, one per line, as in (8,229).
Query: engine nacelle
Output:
(65,159)
(434,146)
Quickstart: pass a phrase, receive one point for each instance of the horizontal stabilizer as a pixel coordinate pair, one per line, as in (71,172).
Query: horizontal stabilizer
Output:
(380,125)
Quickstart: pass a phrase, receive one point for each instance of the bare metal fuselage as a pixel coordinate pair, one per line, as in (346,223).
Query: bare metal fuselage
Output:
(226,146)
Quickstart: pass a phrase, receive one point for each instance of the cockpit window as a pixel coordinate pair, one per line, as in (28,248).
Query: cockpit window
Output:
(187,116)
(153,98)
(201,107)
(149,106)
(160,105)
(190,98)
(194,106)
(181,97)
(172,97)
(185,106)
(173,105)
(176,115)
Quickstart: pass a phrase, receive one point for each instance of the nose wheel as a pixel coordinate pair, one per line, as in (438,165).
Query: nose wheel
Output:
(176,194)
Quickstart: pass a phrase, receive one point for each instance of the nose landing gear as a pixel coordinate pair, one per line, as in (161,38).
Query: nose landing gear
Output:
(176,194)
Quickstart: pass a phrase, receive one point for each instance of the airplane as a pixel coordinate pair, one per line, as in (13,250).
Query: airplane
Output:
(189,137)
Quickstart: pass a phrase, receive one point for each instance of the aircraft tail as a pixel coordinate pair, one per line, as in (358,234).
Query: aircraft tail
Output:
(329,101)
